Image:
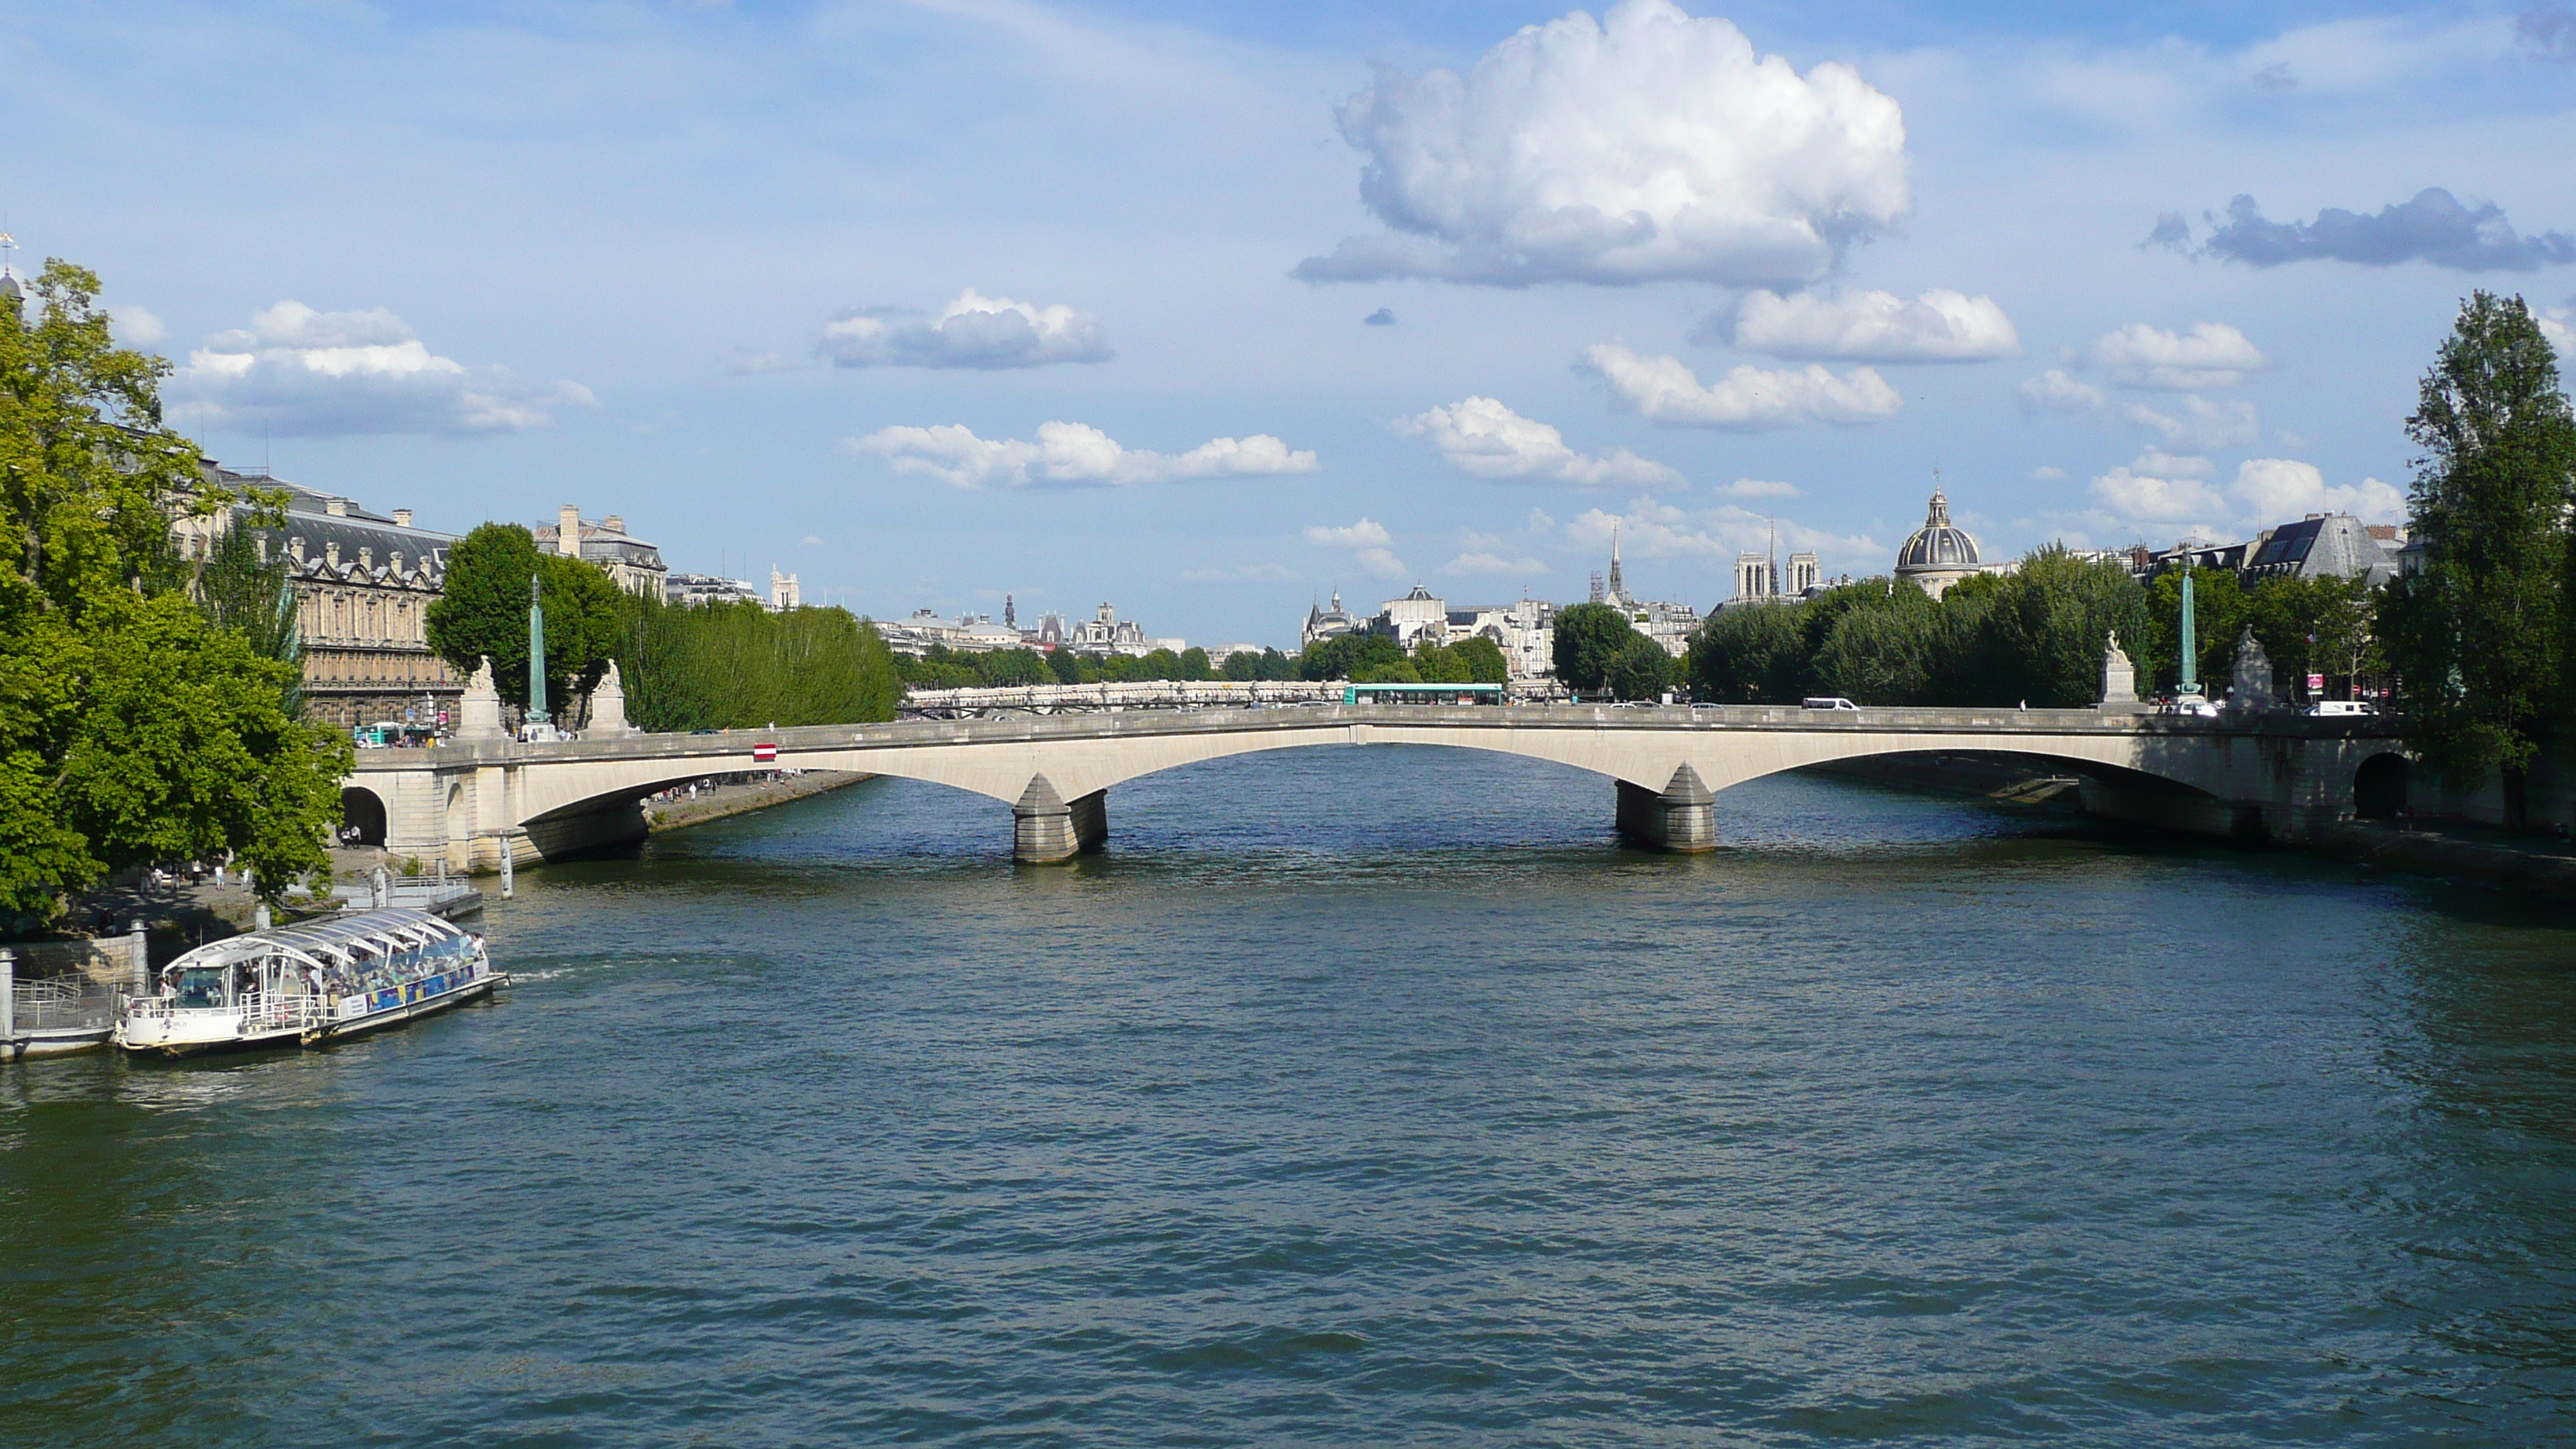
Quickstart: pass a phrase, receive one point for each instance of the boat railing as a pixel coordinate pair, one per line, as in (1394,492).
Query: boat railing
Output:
(256,1011)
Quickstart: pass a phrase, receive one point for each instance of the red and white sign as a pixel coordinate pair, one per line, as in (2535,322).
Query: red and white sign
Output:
(2316,681)
(764,754)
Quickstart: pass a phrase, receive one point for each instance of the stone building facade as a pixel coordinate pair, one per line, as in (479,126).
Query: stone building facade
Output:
(364,582)
(635,565)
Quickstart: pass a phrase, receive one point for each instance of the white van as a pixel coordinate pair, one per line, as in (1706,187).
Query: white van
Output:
(1827,702)
(2330,707)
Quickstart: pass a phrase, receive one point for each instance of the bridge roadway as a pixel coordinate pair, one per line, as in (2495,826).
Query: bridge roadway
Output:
(2277,775)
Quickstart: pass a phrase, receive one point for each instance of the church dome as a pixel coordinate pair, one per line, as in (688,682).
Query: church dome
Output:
(1938,544)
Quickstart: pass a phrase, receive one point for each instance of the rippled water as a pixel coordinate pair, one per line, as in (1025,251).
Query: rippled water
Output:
(1356,1096)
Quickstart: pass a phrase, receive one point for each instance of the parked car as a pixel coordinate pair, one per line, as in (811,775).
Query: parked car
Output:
(1834,701)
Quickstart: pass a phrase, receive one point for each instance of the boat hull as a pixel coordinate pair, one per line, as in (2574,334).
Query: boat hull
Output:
(296,1036)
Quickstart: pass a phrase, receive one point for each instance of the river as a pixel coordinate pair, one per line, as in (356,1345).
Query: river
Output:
(1356,1096)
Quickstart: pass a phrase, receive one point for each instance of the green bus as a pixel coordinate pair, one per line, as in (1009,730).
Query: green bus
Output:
(1422,694)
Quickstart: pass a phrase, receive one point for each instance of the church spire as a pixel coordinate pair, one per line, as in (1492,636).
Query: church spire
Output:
(1618,586)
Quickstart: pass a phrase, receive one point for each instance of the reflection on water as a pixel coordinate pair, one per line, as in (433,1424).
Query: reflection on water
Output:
(1356,1094)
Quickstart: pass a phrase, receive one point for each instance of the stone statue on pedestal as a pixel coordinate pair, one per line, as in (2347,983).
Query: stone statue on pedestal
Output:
(2250,686)
(478,715)
(2119,678)
(608,706)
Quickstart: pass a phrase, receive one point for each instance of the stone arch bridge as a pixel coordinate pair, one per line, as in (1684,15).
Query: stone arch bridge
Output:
(2277,776)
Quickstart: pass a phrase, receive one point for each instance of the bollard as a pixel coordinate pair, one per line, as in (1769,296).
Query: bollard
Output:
(8,999)
(377,889)
(259,916)
(506,853)
(142,960)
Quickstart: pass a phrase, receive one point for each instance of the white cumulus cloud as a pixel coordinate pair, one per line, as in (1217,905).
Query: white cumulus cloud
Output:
(1650,529)
(1665,390)
(1070,455)
(2211,354)
(1939,326)
(2143,497)
(137,326)
(1481,436)
(298,371)
(1368,542)
(1758,488)
(2280,489)
(2198,423)
(1646,145)
(974,331)
(1486,561)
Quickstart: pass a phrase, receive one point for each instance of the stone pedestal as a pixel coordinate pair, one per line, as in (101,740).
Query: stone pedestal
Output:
(1046,829)
(478,713)
(1682,818)
(608,707)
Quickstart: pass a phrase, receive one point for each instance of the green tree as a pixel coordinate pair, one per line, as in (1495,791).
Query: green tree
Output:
(1194,664)
(2220,611)
(1588,637)
(1242,666)
(738,666)
(2476,636)
(250,590)
(2050,626)
(1640,670)
(1345,657)
(1484,660)
(133,728)
(1752,655)
(1065,665)
(1013,669)
(482,613)
(1880,655)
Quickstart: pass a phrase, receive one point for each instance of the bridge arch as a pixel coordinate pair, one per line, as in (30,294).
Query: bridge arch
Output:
(363,811)
(2379,786)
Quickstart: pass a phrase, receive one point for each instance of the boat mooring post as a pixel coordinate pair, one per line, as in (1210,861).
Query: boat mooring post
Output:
(8,1000)
(142,960)
(506,879)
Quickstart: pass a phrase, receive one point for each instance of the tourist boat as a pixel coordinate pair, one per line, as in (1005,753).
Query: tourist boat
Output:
(311,982)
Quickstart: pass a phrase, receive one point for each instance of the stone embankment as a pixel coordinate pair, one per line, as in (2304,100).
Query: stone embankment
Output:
(724,800)
(2452,849)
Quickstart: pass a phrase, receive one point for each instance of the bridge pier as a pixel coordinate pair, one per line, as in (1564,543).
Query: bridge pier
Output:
(1682,818)
(1045,829)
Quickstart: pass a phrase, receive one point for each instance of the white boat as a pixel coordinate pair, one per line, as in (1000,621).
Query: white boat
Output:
(308,983)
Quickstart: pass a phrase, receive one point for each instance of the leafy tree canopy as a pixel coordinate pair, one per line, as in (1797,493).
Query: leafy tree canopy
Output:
(2478,637)
(483,613)
(133,727)
(1588,637)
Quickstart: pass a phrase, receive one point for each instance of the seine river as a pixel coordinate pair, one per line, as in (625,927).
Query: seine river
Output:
(1356,1096)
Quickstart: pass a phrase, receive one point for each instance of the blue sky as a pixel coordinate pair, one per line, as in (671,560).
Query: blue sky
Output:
(930,302)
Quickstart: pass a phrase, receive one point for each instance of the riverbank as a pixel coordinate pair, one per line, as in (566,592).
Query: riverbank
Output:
(722,800)
(2452,849)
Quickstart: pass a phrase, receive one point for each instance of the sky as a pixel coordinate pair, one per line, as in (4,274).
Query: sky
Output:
(1206,310)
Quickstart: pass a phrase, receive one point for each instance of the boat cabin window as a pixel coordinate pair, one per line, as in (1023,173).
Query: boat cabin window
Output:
(201,986)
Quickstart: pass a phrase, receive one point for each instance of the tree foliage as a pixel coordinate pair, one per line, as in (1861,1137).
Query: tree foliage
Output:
(482,613)
(1349,656)
(134,726)
(2037,634)
(1640,670)
(2478,638)
(1588,638)
(739,666)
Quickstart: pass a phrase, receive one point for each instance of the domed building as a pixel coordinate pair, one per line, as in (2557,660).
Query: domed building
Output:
(1939,553)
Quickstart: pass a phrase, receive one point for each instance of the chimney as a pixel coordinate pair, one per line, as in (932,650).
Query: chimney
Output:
(336,507)
(568,531)
(614,523)
(402,518)
(295,546)
(393,559)
(366,558)
(331,553)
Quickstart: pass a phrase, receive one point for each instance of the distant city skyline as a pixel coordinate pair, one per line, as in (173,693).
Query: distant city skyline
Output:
(1211,308)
